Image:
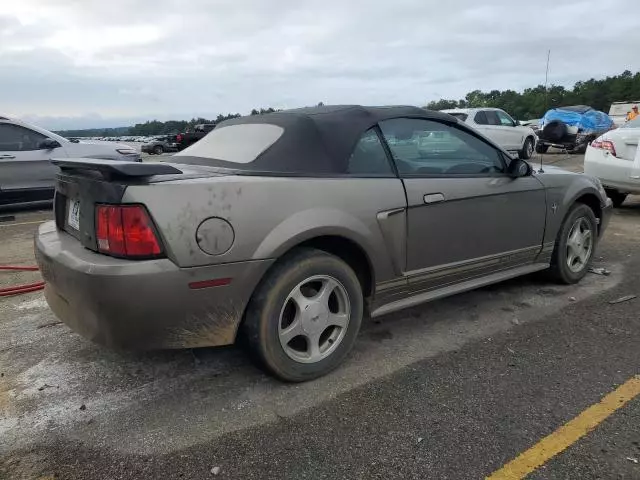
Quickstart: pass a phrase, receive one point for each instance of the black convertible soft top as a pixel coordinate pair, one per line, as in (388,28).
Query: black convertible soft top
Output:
(316,140)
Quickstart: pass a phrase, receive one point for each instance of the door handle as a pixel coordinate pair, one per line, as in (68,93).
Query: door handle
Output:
(433,198)
(7,156)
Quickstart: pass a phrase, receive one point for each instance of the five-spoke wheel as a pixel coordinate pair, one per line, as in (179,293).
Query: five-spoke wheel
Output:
(305,315)
(575,244)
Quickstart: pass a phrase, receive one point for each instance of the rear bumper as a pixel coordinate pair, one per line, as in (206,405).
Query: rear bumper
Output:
(141,304)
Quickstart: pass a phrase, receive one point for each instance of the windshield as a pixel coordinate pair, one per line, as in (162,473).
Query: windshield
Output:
(635,123)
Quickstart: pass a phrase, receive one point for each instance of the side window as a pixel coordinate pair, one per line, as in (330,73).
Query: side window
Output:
(481,118)
(14,138)
(426,147)
(492,117)
(505,120)
(369,156)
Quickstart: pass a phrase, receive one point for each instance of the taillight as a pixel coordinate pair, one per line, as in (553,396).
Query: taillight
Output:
(178,138)
(126,231)
(604,145)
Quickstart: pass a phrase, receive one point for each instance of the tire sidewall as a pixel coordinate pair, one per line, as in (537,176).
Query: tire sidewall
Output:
(566,274)
(525,155)
(158,150)
(269,303)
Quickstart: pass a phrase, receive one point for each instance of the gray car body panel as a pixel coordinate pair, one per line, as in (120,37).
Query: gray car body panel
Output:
(260,209)
(474,230)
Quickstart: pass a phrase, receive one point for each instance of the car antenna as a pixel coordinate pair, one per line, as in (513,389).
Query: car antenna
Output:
(546,99)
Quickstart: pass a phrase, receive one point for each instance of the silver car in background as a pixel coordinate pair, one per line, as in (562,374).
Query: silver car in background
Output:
(26,171)
(286,229)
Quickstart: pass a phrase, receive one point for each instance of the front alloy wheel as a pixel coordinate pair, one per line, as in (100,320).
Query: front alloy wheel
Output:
(579,245)
(575,245)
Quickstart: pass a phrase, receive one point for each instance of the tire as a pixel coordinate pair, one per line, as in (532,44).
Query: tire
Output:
(274,310)
(158,150)
(541,148)
(527,149)
(554,131)
(580,216)
(616,197)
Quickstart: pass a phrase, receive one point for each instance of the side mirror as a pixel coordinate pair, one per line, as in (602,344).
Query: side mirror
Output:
(519,168)
(48,144)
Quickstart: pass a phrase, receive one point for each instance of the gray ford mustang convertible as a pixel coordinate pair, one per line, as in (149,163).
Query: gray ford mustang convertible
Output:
(284,229)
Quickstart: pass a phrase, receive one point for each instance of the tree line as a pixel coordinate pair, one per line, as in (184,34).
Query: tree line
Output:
(156,127)
(534,102)
(528,104)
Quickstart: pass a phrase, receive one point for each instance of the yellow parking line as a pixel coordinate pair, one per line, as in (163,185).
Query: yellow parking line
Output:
(569,433)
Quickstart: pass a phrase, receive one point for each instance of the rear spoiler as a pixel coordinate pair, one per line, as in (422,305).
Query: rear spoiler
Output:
(116,169)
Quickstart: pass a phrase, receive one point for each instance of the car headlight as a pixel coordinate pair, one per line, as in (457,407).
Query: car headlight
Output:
(126,151)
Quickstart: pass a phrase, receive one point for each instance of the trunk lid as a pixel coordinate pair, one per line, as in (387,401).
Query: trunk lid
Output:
(84,183)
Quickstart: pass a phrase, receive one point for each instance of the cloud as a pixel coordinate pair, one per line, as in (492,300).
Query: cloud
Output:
(61,60)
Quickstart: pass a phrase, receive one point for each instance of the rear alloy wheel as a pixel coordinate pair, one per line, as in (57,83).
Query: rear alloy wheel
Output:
(527,149)
(158,150)
(616,197)
(575,245)
(314,319)
(305,315)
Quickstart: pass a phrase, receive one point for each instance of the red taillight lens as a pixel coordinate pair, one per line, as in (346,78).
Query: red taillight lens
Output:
(604,145)
(178,138)
(126,231)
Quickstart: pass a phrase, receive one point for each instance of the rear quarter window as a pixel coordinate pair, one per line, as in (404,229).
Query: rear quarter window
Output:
(235,143)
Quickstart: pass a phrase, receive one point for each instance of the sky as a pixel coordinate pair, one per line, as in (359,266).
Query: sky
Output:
(95,63)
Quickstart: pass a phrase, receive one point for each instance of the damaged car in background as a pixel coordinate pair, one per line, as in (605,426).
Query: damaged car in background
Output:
(287,229)
(571,128)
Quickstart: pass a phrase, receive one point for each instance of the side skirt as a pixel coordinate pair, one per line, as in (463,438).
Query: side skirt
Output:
(457,288)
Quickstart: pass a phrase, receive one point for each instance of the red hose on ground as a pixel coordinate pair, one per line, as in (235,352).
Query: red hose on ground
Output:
(19,269)
(20,289)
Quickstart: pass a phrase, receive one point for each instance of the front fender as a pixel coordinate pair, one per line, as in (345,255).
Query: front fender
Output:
(561,198)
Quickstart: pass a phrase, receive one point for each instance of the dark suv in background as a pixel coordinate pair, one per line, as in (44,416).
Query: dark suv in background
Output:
(188,138)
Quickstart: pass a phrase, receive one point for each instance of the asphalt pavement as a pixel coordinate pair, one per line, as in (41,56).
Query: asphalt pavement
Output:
(449,390)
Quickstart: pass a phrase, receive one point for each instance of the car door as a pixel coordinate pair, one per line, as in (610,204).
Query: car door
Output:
(466,217)
(513,138)
(23,164)
(482,123)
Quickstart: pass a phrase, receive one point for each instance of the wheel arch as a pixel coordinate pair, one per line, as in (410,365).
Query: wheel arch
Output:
(339,245)
(592,201)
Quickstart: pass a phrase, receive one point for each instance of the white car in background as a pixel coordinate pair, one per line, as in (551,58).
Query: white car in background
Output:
(614,158)
(499,127)
(26,172)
